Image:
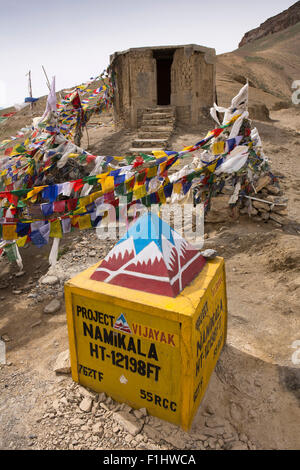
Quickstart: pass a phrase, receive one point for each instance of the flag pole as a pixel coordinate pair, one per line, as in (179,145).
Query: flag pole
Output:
(47,79)
(30,89)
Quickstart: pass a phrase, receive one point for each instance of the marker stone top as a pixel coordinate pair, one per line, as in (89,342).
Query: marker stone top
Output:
(152,258)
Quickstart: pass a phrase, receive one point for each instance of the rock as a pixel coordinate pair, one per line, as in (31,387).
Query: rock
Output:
(50,280)
(262,206)
(103,405)
(86,404)
(265,216)
(97,429)
(213,432)
(138,414)
(263,182)
(278,219)
(21,273)
(235,412)
(101,397)
(214,422)
(294,285)
(128,422)
(243,438)
(109,401)
(282,210)
(143,411)
(84,392)
(274,190)
(219,210)
(238,446)
(252,212)
(212,442)
(62,364)
(176,439)
(52,307)
(5,338)
(209,254)
(17,292)
(125,407)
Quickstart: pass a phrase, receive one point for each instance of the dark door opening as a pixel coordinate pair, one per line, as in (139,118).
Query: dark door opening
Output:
(163,81)
(164,60)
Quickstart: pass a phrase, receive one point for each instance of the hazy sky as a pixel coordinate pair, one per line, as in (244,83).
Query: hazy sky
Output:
(73,39)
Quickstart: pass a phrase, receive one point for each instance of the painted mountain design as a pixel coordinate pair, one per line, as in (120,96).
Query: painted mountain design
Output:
(152,258)
(122,325)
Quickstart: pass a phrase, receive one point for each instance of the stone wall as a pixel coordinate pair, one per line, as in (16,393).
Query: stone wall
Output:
(192,84)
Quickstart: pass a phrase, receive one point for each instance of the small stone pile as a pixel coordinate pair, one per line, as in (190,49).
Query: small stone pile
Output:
(76,418)
(267,203)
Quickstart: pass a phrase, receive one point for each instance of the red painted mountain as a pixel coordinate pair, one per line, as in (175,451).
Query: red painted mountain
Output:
(152,258)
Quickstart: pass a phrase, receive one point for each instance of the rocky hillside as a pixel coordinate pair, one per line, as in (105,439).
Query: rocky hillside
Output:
(271,63)
(277,23)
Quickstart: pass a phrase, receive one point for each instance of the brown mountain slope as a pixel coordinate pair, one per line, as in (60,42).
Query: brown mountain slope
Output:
(277,23)
(271,64)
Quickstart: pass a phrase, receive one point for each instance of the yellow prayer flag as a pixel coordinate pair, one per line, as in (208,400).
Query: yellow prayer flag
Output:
(55,229)
(212,167)
(74,220)
(232,120)
(22,241)
(84,201)
(159,153)
(177,188)
(35,191)
(9,232)
(152,171)
(108,184)
(84,222)
(162,167)
(161,195)
(140,192)
(218,148)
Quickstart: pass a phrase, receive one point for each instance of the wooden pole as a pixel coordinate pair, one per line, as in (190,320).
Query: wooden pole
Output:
(88,138)
(47,79)
(30,90)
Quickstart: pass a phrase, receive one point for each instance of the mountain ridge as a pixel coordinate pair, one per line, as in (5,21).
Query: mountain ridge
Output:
(275,24)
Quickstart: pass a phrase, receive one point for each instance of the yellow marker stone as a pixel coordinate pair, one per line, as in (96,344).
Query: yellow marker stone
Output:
(148,350)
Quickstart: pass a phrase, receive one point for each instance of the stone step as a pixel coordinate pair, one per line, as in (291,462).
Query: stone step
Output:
(162,109)
(153,135)
(158,122)
(136,151)
(147,143)
(157,116)
(162,129)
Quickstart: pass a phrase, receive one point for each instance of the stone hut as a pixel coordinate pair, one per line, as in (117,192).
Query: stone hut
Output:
(182,78)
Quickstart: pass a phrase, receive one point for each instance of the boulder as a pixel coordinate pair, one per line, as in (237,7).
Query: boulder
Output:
(219,210)
(86,404)
(62,364)
(128,422)
(52,307)
(263,182)
(50,280)
(262,206)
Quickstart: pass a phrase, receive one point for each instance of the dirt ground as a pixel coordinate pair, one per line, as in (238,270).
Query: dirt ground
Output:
(254,395)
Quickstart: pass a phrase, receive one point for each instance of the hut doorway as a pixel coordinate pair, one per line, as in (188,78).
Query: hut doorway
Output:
(164,61)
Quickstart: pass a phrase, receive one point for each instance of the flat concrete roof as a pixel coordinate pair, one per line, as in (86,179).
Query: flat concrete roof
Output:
(209,53)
